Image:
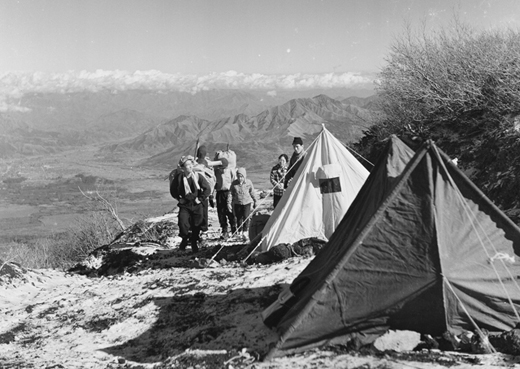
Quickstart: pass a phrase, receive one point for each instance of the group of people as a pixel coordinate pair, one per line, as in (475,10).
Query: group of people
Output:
(196,190)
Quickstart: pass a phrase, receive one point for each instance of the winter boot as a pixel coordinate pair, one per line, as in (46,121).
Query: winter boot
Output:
(194,245)
(224,235)
(183,244)
(234,233)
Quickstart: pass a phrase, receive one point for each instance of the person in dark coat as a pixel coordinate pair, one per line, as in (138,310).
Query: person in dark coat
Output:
(202,159)
(296,160)
(190,189)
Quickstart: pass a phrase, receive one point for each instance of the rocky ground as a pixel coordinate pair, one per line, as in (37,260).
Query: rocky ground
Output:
(140,304)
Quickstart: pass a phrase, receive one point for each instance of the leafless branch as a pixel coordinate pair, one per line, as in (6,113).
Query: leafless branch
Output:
(107,206)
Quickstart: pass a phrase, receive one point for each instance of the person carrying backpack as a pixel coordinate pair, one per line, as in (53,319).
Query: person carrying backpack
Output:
(225,174)
(203,166)
(190,189)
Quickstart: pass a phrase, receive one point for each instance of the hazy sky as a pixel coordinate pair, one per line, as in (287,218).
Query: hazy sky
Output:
(216,36)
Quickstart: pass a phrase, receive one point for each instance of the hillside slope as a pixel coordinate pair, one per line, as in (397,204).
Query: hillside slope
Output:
(170,309)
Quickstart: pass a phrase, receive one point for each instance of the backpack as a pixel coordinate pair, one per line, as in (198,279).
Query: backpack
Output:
(208,173)
(197,169)
(173,173)
(228,158)
(225,173)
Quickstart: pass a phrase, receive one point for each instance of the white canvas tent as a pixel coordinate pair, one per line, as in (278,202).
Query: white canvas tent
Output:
(318,197)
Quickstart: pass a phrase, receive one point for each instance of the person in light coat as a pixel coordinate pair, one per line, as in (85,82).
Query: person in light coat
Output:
(241,196)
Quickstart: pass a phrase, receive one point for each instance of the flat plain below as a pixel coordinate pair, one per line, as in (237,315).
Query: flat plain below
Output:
(45,195)
(42,195)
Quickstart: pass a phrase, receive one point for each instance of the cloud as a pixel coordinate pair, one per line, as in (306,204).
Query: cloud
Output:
(14,85)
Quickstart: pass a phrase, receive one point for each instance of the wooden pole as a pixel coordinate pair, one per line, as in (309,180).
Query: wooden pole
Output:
(196,149)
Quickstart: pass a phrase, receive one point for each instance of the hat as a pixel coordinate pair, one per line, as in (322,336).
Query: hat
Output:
(201,152)
(297,141)
(241,171)
(184,159)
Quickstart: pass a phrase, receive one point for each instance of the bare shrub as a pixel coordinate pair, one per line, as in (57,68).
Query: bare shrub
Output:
(101,201)
(40,254)
(62,251)
(461,88)
(89,232)
(452,73)
(455,81)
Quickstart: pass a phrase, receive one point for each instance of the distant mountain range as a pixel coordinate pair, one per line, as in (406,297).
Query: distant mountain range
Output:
(259,139)
(140,122)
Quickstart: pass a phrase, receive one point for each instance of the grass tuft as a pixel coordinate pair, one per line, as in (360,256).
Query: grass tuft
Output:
(65,250)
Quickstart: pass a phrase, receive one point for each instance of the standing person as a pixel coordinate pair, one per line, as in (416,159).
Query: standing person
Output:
(203,162)
(225,176)
(190,189)
(241,196)
(296,160)
(278,173)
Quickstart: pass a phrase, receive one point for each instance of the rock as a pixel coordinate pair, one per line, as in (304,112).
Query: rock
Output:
(452,340)
(508,342)
(398,341)
(427,343)
(480,343)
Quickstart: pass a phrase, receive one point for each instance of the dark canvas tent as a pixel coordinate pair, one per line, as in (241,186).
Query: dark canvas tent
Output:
(431,254)
(391,163)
